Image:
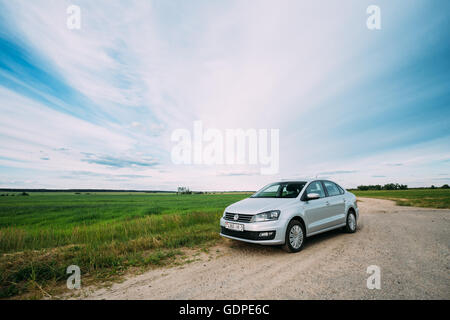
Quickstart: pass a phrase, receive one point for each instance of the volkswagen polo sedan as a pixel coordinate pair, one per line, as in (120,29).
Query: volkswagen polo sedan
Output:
(285,213)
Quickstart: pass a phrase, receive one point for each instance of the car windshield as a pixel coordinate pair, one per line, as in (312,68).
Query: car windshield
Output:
(280,190)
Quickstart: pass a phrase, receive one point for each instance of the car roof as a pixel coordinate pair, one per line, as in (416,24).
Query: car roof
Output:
(307,180)
(294,181)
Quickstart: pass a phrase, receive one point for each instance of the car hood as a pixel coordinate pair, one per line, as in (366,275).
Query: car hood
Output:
(258,205)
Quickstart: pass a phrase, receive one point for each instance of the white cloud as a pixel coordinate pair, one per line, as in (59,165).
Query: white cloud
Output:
(230,64)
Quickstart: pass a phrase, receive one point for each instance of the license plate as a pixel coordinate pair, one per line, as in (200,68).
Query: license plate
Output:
(234,226)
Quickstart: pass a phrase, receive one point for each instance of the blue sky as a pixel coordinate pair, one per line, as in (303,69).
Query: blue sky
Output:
(95,107)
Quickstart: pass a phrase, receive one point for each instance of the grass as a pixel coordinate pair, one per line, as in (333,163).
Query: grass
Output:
(106,234)
(427,198)
(103,233)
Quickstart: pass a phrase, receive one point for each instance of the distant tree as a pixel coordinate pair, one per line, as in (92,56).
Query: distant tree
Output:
(24,194)
(390,186)
(445,186)
(433,187)
(183,190)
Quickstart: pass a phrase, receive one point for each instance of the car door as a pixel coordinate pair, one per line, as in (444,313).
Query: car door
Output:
(335,204)
(315,210)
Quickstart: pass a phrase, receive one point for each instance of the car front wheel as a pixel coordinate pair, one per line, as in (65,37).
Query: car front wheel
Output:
(295,237)
(351,222)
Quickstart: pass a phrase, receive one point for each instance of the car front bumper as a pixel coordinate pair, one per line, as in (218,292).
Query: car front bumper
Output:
(252,230)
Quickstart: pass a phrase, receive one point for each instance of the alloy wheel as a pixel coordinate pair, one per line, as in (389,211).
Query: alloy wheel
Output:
(296,236)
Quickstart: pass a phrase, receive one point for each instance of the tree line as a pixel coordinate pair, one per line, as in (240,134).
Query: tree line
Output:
(392,186)
(388,186)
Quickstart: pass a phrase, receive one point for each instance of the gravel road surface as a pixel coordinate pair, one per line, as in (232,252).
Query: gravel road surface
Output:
(410,245)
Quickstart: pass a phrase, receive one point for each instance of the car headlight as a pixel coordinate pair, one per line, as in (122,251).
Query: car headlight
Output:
(266,216)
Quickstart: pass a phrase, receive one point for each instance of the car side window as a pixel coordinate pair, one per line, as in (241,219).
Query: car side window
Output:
(332,189)
(316,187)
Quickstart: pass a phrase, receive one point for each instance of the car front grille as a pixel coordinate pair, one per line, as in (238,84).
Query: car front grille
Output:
(241,217)
(248,235)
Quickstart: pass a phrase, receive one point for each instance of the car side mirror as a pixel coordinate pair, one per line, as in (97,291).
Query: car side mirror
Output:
(312,196)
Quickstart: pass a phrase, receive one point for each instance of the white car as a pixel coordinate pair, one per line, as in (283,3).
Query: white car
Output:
(285,213)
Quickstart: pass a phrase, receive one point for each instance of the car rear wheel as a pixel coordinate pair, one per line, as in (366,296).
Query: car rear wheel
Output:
(351,222)
(295,237)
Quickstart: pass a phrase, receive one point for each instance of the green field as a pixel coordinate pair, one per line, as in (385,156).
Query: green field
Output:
(427,198)
(106,234)
(103,233)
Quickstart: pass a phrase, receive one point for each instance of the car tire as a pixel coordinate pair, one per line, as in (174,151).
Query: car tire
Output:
(295,237)
(351,225)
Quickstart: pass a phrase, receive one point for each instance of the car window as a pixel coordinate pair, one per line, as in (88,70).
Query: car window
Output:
(340,189)
(332,189)
(291,190)
(315,187)
(269,192)
(280,190)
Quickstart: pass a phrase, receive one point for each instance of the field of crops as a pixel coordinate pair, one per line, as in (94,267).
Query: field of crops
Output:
(106,234)
(103,233)
(427,198)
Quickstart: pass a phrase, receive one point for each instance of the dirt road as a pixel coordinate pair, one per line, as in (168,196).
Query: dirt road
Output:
(410,245)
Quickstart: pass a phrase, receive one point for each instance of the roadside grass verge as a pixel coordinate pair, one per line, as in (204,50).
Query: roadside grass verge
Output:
(35,255)
(427,198)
